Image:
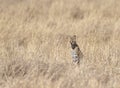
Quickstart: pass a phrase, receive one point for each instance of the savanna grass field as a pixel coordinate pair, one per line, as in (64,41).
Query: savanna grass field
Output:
(35,51)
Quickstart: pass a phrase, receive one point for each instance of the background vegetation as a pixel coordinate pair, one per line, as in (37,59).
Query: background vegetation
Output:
(35,50)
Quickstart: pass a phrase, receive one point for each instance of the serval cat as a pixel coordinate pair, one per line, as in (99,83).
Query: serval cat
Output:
(76,52)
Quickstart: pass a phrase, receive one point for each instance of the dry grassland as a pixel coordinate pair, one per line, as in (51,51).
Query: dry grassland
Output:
(35,50)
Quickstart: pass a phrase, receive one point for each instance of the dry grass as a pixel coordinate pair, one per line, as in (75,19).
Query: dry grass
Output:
(35,49)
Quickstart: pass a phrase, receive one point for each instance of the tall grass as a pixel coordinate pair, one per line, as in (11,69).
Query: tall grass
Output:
(35,50)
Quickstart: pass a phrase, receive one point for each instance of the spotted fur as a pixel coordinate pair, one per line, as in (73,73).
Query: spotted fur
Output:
(76,52)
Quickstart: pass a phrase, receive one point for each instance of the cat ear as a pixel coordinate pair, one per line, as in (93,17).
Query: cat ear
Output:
(74,37)
(70,39)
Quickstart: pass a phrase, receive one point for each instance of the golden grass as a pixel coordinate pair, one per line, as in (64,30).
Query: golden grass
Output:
(35,50)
